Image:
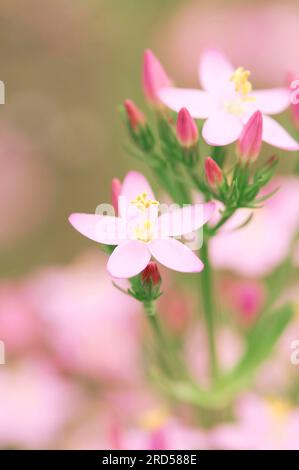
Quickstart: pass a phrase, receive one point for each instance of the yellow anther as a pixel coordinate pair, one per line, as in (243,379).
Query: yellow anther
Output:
(242,84)
(142,202)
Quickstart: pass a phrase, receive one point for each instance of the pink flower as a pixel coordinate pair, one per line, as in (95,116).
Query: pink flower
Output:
(270,424)
(140,233)
(186,129)
(250,141)
(154,77)
(227,101)
(213,172)
(260,246)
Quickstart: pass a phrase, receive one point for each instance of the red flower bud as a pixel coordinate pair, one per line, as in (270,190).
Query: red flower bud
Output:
(115,193)
(135,116)
(154,77)
(186,129)
(250,141)
(151,274)
(214,174)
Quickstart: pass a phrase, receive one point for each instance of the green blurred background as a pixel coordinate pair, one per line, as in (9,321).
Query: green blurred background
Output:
(67,65)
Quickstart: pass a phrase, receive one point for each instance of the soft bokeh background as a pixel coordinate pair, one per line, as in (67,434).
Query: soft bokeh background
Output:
(67,65)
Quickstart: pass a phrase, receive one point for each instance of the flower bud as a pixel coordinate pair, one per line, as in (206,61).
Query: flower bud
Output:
(186,129)
(214,173)
(250,141)
(151,275)
(135,116)
(294,89)
(154,77)
(115,193)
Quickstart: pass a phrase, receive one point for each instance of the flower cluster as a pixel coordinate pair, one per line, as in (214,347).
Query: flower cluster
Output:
(204,149)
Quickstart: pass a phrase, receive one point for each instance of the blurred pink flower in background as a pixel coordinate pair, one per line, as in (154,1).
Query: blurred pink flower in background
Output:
(36,404)
(172,435)
(19,326)
(260,246)
(262,424)
(91,327)
(26,187)
(229,347)
(134,420)
(244,297)
(263,37)
(175,308)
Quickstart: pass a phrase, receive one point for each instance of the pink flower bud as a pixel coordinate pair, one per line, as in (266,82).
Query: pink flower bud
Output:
(250,141)
(214,174)
(135,116)
(151,274)
(154,77)
(186,129)
(294,90)
(115,193)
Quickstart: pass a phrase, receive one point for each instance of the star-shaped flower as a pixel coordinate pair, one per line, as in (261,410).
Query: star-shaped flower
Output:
(139,233)
(228,100)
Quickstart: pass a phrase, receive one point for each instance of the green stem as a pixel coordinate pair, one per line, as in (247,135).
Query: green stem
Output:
(227,215)
(209,309)
(150,310)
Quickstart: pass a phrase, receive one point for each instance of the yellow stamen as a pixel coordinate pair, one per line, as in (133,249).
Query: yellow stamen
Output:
(242,84)
(144,232)
(142,202)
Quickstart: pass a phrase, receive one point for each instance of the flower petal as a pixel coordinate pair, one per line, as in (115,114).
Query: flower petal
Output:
(184,220)
(133,185)
(128,259)
(222,128)
(274,134)
(174,255)
(215,71)
(199,103)
(272,101)
(100,228)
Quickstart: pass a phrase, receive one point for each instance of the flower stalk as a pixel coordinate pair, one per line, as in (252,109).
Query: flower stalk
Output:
(209,309)
(161,343)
